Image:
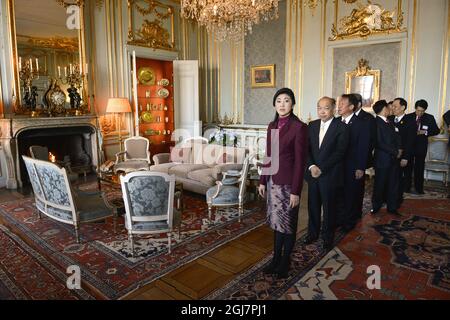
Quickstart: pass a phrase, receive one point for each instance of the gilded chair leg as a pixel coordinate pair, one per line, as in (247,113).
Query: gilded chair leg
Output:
(241,211)
(209,212)
(39,213)
(130,238)
(170,241)
(77,233)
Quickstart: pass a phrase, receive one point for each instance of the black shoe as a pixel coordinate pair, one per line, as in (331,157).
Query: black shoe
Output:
(348,227)
(394,212)
(328,245)
(271,268)
(309,239)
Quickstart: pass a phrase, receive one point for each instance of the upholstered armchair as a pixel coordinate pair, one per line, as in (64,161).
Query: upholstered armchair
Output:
(231,191)
(135,157)
(149,204)
(41,153)
(56,198)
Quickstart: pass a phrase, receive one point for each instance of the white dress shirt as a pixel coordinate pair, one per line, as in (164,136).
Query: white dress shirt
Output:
(399,118)
(347,120)
(357,112)
(325,126)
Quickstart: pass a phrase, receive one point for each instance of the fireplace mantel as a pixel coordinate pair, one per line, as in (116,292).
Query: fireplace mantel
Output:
(10,129)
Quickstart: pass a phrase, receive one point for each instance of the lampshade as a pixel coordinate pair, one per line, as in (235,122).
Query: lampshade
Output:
(118,105)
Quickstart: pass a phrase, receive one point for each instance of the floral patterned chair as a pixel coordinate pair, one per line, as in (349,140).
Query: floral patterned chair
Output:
(231,191)
(149,204)
(135,157)
(56,198)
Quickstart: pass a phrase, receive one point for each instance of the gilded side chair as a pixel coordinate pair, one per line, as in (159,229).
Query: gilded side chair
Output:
(149,204)
(135,157)
(56,198)
(231,191)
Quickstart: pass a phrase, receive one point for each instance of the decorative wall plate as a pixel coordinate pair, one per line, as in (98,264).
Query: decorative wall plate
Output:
(146,76)
(163,93)
(164,82)
(147,116)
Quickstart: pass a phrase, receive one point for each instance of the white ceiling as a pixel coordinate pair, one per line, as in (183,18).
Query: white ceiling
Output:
(42,18)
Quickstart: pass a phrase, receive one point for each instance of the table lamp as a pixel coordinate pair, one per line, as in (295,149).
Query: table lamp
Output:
(119,106)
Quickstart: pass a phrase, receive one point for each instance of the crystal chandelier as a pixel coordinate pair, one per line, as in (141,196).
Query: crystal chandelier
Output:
(229,19)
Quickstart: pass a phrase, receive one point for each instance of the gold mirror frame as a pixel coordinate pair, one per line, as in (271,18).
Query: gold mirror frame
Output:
(363,70)
(17,100)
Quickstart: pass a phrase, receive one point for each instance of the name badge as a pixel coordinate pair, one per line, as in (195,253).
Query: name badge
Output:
(424,127)
(396,129)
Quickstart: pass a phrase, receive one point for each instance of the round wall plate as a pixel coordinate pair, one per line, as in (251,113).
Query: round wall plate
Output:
(146,76)
(163,93)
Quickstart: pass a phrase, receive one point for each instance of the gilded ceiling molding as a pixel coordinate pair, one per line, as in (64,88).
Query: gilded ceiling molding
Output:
(367,20)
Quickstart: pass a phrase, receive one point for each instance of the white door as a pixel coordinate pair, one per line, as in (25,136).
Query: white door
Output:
(186,100)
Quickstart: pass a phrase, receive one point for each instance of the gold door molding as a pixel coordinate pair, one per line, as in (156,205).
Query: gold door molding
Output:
(366,20)
(151,33)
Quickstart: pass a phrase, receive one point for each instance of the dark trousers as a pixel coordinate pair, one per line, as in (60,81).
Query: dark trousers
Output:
(321,194)
(386,183)
(402,173)
(416,164)
(352,199)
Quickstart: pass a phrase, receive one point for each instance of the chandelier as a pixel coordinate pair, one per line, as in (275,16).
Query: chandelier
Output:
(229,19)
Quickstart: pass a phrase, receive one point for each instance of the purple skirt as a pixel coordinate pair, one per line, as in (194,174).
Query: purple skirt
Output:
(280,217)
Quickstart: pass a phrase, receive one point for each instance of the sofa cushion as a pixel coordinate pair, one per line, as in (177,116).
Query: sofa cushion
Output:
(180,155)
(204,176)
(182,170)
(164,167)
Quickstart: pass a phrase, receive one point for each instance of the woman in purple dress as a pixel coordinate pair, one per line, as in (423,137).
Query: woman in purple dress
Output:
(282,178)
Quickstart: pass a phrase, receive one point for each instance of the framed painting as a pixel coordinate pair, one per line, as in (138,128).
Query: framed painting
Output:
(263,76)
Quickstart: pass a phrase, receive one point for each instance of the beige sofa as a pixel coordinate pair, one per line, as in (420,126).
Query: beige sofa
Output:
(197,165)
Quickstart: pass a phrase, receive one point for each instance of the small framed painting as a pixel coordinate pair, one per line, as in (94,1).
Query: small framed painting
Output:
(263,76)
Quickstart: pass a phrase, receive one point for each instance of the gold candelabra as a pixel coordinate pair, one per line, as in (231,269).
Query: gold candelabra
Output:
(74,77)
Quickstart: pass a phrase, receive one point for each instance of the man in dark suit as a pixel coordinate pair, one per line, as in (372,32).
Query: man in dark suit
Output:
(371,128)
(355,161)
(426,127)
(407,131)
(328,141)
(387,151)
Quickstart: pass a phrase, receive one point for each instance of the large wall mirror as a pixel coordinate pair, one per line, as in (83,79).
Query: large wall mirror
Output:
(51,72)
(364,81)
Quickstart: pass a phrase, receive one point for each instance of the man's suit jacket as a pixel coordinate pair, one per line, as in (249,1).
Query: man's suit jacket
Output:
(359,143)
(387,144)
(293,153)
(427,122)
(407,131)
(330,156)
(372,134)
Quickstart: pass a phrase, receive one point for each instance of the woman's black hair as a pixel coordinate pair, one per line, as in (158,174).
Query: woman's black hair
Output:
(291,95)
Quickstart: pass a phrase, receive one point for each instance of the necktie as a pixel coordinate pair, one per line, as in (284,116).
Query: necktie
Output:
(418,123)
(321,134)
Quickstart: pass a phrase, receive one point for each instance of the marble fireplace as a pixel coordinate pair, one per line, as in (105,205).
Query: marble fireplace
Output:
(69,138)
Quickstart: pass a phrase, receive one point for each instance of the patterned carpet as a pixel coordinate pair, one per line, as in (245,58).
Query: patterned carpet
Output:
(25,274)
(412,251)
(105,258)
